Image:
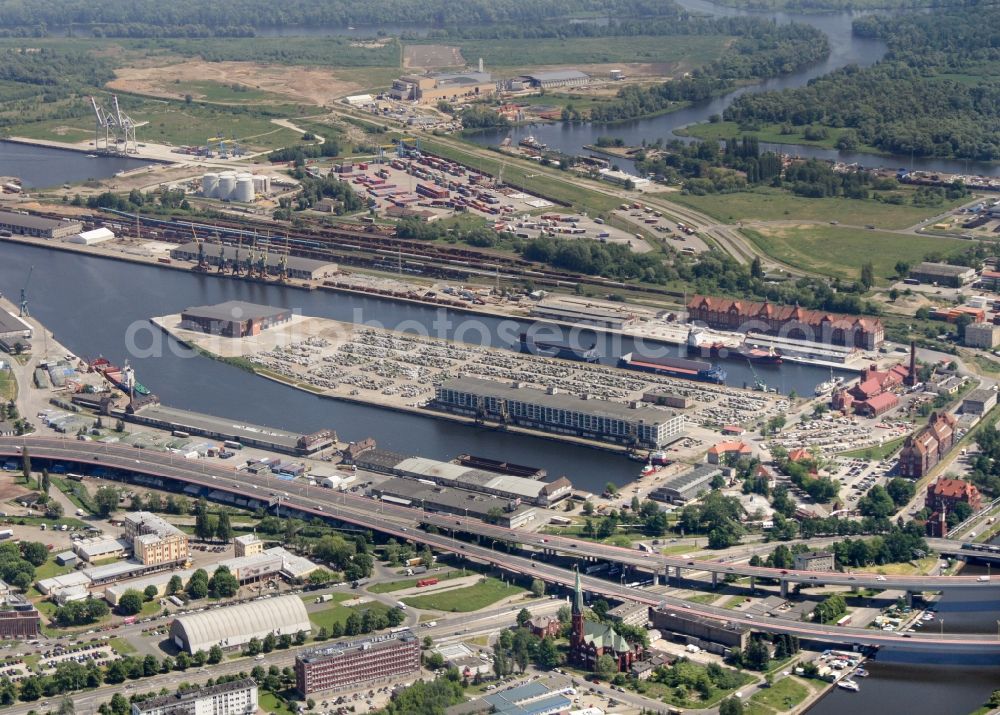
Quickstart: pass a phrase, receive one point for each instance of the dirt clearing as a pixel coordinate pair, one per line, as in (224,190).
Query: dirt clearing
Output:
(431,56)
(313,85)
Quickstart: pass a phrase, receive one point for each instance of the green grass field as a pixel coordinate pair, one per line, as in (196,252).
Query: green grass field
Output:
(783,695)
(876,451)
(528,54)
(766,133)
(8,386)
(337,613)
(49,569)
(390,586)
(464,600)
(839,252)
(172,123)
(210,91)
(767,204)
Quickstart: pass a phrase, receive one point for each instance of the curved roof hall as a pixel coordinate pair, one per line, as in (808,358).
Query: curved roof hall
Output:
(234,626)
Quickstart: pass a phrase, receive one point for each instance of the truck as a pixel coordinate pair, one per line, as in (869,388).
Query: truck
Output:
(426,582)
(324,598)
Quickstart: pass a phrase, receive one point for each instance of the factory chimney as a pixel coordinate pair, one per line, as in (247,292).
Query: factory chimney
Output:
(911,378)
(480,64)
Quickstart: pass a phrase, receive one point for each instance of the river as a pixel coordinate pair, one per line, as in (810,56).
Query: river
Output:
(845,49)
(43,167)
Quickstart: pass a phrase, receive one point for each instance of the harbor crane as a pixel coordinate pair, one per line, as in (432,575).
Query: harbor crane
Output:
(114,131)
(23,306)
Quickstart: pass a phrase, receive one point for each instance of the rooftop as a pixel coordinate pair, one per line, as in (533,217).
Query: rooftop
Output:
(433,469)
(980,395)
(941,269)
(11,323)
(235,310)
(181,699)
(233,429)
(685,480)
(559,400)
(34,222)
(557,75)
(374,641)
(273,260)
(152,524)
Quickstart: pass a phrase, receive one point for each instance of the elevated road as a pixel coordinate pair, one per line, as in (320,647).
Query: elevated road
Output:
(402,523)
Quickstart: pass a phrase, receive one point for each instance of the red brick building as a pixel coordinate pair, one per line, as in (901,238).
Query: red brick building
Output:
(878,405)
(923,450)
(590,640)
(544,626)
(949,492)
(789,321)
(353,663)
(19,619)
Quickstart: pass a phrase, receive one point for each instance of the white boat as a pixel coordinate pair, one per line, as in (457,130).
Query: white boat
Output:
(828,386)
(848,685)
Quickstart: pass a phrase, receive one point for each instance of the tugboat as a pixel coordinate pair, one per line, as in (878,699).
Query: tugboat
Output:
(649,470)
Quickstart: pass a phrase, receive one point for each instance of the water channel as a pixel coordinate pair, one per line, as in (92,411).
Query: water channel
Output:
(43,167)
(845,49)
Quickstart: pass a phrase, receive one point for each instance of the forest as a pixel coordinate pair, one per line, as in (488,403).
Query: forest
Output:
(226,18)
(936,92)
(763,49)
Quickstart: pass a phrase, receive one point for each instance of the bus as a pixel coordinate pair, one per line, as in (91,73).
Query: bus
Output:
(232,444)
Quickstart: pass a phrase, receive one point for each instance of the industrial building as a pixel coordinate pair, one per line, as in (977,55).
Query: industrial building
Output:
(979,402)
(533,698)
(19,619)
(57,584)
(630,613)
(553,411)
(451,500)
(571,311)
(708,634)
(925,448)
(250,435)
(448,86)
(13,328)
(215,253)
(621,178)
(351,664)
(237,697)
(155,541)
(943,274)
(786,321)
(555,78)
(815,561)
(504,486)
(37,226)
(234,318)
(686,486)
(982,335)
(92,238)
(269,563)
(235,626)
(102,547)
(113,593)
(248,545)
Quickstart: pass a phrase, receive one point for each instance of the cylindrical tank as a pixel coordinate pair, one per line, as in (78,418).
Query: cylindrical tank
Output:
(227,185)
(209,184)
(244,189)
(262,184)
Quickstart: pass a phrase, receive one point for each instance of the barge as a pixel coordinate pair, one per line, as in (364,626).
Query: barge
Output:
(558,349)
(675,367)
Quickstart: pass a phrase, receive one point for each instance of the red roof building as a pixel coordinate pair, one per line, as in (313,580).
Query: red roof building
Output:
(789,321)
(874,382)
(719,452)
(925,448)
(800,455)
(948,492)
(878,405)
(842,400)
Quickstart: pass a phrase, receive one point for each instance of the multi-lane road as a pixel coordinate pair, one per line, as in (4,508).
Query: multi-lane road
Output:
(403,523)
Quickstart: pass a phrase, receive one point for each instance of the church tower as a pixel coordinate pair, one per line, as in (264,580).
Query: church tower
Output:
(576,639)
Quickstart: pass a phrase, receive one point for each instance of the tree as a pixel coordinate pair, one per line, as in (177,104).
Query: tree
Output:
(900,490)
(174,585)
(320,577)
(106,500)
(53,510)
(224,529)
(197,586)
(269,643)
(757,655)
(25,464)
(588,508)
(547,656)
(435,661)
(867,275)
(130,603)
(611,488)
(35,552)
(203,527)
(731,706)
(523,616)
(537,588)
(150,592)
(254,646)
(215,654)
(31,688)
(605,666)
(223,584)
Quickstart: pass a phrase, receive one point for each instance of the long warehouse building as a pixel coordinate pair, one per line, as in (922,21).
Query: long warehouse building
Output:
(37,226)
(301,268)
(554,411)
(235,626)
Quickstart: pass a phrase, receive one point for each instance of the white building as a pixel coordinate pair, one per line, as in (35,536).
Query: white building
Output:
(89,238)
(238,697)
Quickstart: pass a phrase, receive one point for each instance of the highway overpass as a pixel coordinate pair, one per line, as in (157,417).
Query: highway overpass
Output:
(402,523)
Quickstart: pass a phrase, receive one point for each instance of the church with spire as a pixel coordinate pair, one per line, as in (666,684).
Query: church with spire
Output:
(590,640)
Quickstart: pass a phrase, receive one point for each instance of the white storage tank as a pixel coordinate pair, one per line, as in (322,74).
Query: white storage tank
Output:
(244,189)
(209,184)
(261,184)
(227,185)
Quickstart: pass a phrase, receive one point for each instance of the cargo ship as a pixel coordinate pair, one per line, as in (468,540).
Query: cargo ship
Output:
(675,367)
(558,349)
(122,378)
(531,143)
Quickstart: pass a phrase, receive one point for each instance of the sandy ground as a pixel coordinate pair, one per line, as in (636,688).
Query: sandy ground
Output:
(427,56)
(309,84)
